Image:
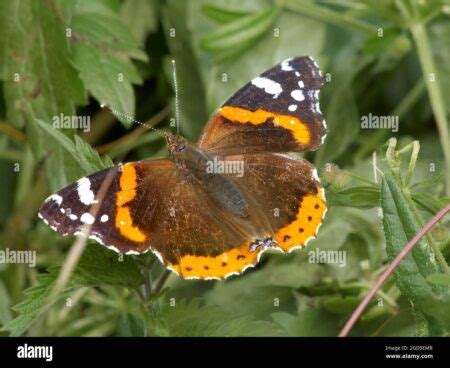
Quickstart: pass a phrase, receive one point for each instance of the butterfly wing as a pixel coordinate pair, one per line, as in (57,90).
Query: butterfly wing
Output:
(276,112)
(151,205)
(288,194)
(114,225)
(285,199)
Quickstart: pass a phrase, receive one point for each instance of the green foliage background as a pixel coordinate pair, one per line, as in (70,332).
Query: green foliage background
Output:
(389,57)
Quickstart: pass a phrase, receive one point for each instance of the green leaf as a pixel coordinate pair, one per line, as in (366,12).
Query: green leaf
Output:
(392,44)
(102,49)
(91,155)
(309,322)
(82,153)
(240,31)
(439,279)
(193,319)
(256,301)
(39,78)
(429,183)
(5,304)
(359,197)
(130,326)
(141,17)
(400,225)
(223,77)
(36,300)
(97,267)
(341,304)
(222,15)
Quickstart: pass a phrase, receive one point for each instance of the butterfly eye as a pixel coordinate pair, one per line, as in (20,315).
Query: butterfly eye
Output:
(181,147)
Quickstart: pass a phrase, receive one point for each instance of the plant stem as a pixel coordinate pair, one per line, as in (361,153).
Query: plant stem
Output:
(162,280)
(412,162)
(147,289)
(147,272)
(357,177)
(148,283)
(362,306)
(420,37)
(11,155)
(393,160)
(17,134)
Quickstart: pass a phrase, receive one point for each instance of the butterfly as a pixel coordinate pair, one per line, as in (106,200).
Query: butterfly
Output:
(213,208)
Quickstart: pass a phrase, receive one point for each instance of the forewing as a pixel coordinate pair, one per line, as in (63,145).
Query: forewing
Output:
(275,112)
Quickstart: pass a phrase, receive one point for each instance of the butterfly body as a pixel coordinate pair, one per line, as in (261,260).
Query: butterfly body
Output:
(193,162)
(213,208)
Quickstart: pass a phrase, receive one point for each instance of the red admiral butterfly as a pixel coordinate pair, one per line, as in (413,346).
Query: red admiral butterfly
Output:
(212,210)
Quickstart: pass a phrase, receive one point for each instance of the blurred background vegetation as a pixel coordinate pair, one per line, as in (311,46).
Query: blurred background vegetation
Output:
(385,58)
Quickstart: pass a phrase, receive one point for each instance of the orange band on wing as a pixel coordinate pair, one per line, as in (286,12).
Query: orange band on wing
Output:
(230,262)
(124,221)
(300,130)
(236,260)
(128,183)
(309,218)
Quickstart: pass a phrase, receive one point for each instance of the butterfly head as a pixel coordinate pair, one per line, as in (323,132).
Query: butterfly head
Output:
(175,143)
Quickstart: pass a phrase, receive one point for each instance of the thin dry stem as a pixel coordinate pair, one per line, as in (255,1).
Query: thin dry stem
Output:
(362,306)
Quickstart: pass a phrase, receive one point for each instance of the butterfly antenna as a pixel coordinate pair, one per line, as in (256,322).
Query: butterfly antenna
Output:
(129,118)
(175,87)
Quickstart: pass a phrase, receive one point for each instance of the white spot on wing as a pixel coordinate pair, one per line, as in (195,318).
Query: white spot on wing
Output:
(314,62)
(286,66)
(113,248)
(85,193)
(317,107)
(56,198)
(87,218)
(132,253)
(297,95)
(271,87)
(315,176)
(104,218)
(96,238)
(292,107)
(301,84)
